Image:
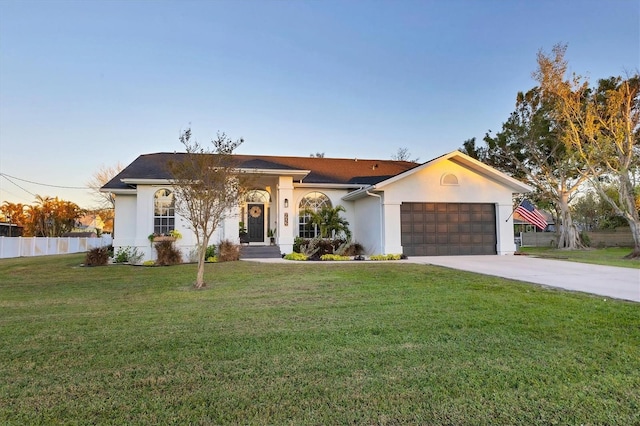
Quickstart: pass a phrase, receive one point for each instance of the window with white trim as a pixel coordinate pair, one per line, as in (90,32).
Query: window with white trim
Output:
(314,202)
(164,219)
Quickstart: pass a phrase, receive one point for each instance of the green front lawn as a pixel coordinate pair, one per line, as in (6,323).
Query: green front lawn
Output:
(363,343)
(612,256)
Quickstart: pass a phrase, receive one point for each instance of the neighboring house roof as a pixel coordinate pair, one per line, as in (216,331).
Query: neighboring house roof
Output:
(306,169)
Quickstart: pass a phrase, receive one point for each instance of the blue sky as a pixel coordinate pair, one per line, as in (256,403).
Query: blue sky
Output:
(87,83)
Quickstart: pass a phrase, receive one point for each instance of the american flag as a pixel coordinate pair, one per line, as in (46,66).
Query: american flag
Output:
(531,215)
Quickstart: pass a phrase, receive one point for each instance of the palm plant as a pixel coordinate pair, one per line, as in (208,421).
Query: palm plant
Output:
(329,222)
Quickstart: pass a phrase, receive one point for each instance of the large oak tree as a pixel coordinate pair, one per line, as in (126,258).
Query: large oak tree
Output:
(601,126)
(529,147)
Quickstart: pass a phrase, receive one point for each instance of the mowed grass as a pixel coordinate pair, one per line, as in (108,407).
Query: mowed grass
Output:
(611,256)
(362,343)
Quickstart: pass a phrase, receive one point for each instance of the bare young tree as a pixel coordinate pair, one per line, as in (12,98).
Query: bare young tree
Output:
(601,125)
(98,179)
(207,186)
(403,154)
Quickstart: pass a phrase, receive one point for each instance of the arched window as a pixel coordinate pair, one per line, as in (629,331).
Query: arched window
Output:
(163,212)
(314,202)
(449,179)
(257,196)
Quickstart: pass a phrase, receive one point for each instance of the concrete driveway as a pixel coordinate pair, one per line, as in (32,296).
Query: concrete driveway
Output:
(610,281)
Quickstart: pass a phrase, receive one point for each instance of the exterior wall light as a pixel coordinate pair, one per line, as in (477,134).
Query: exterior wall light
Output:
(286,203)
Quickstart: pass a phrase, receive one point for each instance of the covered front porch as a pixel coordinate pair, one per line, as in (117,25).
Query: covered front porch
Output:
(266,215)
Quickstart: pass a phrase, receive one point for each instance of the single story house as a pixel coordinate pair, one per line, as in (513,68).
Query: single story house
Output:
(451,205)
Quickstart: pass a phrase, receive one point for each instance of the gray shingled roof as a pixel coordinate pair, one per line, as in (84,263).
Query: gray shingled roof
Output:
(322,170)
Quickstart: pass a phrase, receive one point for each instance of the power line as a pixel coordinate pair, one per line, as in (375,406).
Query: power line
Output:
(6,176)
(5,190)
(28,192)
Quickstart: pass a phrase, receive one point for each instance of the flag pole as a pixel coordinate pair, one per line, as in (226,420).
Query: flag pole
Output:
(514,210)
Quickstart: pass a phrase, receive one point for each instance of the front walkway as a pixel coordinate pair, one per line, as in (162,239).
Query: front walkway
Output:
(609,281)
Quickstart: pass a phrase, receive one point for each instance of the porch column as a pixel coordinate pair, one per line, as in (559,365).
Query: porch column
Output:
(286,226)
(391,219)
(504,228)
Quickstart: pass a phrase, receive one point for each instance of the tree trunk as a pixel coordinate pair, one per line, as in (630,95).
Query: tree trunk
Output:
(627,199)
(635,232)
(569,237)
(200,276)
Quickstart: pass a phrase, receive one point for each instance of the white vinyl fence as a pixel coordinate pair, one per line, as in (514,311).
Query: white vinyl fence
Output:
(43,246)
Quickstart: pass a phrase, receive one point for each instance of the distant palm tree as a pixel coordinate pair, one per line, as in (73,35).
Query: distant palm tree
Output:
(329,222)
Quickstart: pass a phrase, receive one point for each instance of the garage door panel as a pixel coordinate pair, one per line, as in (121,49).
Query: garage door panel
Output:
(440,229)
(488,239)
(442,250)
(464,228)
(454,250)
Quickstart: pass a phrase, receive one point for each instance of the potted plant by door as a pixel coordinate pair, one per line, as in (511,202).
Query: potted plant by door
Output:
(272,236)
(242,233)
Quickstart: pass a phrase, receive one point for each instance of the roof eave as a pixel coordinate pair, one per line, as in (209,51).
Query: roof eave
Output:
(296,174)
(141,181)
(327,185)
(467,161)
(360,193)
(119,190)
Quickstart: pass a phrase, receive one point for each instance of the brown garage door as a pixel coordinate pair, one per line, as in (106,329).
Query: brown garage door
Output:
(446,229)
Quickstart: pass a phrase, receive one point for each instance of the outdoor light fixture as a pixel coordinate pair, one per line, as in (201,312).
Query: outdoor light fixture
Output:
(286,202)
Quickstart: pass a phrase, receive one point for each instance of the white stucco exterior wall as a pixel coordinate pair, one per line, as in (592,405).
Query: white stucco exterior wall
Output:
(287,219)
(134,224)
(125,224)
(368,230)
(425,186)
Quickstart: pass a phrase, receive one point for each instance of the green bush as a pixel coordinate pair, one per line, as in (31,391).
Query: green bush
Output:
(212,259)
(98,256)
(317,247)
(386,257)
(210,251)
(297,243)
(295,256)
(334,257)
(168,254)
(128,254)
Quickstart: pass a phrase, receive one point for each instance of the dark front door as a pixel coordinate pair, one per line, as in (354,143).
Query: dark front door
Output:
(256,222)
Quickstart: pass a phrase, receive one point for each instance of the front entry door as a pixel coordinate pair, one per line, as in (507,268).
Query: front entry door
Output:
(256,223)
